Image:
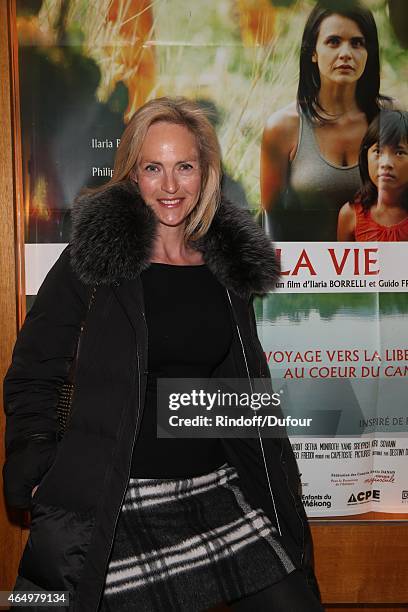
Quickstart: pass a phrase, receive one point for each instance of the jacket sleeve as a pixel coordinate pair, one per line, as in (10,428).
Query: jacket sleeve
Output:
(44,350)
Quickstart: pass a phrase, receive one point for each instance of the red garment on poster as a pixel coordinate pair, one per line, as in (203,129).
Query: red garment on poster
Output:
(369,230)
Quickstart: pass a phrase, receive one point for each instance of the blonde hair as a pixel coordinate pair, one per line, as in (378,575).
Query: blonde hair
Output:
(188,114)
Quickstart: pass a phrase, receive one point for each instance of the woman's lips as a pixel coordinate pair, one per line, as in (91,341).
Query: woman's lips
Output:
(170,202)
(386,177)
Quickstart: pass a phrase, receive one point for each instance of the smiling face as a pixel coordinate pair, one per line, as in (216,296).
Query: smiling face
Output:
(168,172)
(340,52)
(388,167)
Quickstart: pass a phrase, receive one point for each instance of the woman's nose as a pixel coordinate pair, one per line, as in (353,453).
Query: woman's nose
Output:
(345,50)
(386,160)
(169,184)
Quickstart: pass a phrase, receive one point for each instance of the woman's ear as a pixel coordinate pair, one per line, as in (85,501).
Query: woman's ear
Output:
(314,57)
(133,178)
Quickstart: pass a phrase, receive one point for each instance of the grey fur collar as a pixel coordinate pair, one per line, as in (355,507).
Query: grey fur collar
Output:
(113,233)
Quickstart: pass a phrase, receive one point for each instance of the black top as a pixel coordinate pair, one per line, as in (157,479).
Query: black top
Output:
(190,333)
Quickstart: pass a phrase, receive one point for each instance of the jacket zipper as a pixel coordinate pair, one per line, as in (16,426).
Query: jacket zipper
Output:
(289,487)
(259,433)
(130,464)
(75,361)
(263,453)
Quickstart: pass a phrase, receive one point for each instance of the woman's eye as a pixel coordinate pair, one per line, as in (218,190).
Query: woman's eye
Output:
(185,167)
(358,42)
(151,168)
(333,40)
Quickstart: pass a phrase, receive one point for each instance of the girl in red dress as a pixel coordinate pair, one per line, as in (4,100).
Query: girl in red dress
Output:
(380,209)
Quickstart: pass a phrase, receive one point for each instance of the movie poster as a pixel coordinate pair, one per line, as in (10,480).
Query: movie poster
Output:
(344,353)
(334,330)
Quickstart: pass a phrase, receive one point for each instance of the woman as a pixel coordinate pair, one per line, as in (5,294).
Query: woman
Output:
(310,148)
(121,519)
(380,210)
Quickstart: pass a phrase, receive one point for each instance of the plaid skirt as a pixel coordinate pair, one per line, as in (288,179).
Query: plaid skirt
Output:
(189,544)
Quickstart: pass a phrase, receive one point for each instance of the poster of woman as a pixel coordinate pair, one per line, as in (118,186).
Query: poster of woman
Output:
(291,87)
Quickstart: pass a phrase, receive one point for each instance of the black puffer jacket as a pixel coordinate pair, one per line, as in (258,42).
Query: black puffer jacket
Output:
(84,477)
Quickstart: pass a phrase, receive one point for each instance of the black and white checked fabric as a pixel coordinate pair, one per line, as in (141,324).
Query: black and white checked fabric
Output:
(188,544)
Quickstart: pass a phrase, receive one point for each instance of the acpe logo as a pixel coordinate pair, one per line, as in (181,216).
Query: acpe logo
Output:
(364,496)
